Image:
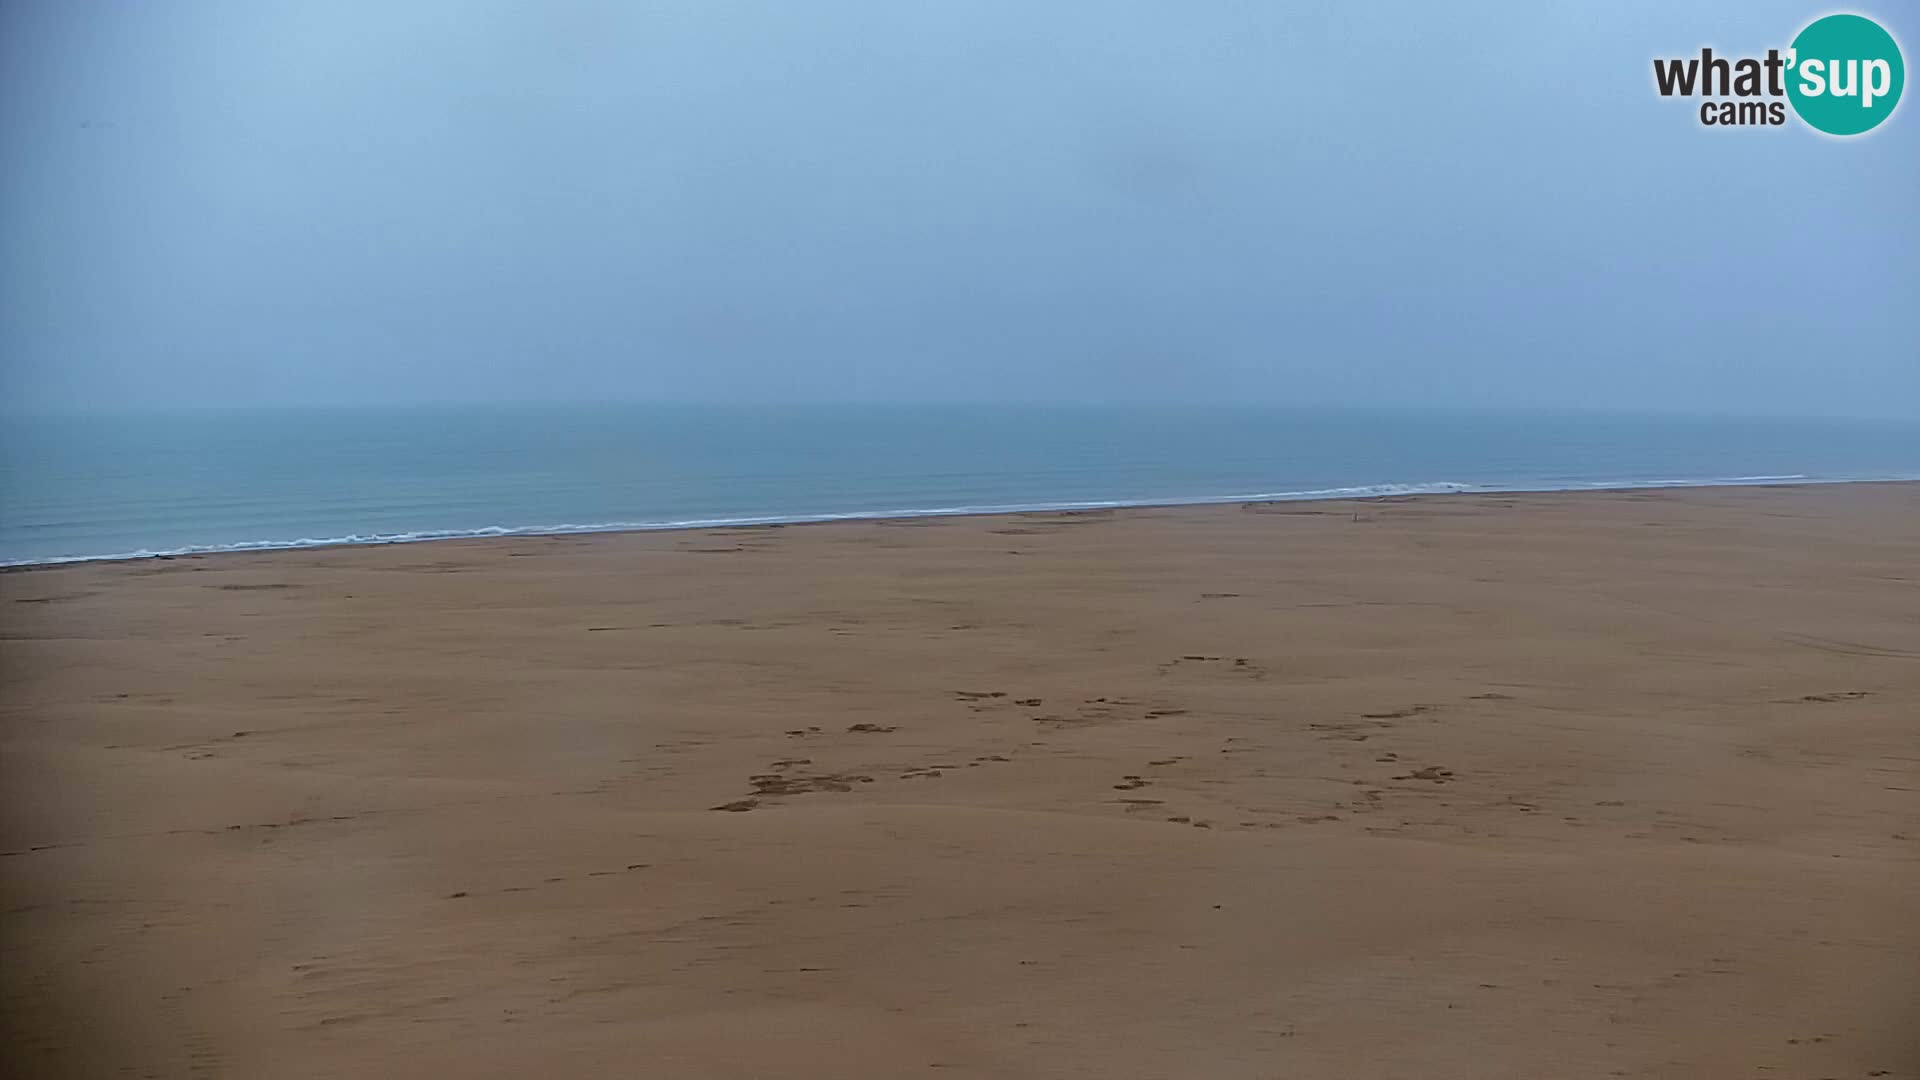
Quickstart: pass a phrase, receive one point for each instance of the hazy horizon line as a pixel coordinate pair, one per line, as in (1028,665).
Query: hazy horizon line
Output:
(28,411)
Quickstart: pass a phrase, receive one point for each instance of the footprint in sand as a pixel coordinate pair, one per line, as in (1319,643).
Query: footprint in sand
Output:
(1843,695)
(1239,664)
(801,784)
(1398,714)
(776,784)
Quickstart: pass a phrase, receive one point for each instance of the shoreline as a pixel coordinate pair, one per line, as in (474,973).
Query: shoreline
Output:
(1360,493)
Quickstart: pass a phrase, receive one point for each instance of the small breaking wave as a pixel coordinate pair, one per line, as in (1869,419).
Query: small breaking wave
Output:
(1364,491)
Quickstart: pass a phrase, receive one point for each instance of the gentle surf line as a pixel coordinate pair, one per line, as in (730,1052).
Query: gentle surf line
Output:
(1365,491)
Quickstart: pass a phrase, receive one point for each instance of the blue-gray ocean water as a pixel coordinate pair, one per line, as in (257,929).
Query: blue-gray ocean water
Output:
(97,486)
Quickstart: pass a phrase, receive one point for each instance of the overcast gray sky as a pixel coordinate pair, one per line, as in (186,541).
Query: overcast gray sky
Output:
(1462,204)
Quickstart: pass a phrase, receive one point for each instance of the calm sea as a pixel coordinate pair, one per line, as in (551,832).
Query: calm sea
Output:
(97,486)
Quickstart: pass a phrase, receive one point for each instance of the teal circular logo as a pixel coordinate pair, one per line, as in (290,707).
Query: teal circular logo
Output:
(1845,74)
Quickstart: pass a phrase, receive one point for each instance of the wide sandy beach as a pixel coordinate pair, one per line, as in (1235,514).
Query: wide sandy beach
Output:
(1558,785)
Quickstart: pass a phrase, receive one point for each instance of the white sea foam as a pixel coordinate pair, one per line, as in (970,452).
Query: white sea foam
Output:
(1366,491)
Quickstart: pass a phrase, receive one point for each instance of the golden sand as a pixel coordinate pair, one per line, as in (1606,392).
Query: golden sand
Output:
(1571,785)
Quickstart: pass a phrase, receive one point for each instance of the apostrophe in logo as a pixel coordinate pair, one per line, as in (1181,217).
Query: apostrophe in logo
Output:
(1846,74)
(1842,75)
